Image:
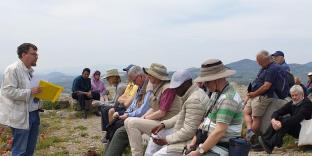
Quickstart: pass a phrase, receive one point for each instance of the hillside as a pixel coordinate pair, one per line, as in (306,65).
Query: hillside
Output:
(246,71)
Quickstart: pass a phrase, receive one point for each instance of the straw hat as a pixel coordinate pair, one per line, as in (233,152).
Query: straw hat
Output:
(112,72)
(213,69)
(158,71)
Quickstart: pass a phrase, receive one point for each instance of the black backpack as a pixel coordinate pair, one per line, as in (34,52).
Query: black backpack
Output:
(285,80)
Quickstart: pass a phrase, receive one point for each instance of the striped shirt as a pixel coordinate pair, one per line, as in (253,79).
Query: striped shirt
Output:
(227,110)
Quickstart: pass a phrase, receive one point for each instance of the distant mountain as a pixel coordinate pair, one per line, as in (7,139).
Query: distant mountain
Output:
(246,71)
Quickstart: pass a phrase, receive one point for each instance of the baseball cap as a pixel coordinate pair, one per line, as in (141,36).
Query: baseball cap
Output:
(278,53)
(127,68)
(179,77)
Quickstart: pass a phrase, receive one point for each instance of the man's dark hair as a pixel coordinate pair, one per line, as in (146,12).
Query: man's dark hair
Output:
(86,70)
(23,48)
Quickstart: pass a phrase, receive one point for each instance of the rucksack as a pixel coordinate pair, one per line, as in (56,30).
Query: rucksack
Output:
(285,80)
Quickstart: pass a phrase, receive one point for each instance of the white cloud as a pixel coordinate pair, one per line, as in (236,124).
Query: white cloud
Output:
(178,33)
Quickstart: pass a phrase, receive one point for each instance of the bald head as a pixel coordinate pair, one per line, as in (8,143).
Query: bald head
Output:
(264,58)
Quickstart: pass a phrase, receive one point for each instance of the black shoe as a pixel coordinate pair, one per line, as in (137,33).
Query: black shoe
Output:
(266,147)
(256,147)
(97,113)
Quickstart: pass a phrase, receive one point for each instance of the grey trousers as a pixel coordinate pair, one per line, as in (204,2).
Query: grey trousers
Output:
(118,143)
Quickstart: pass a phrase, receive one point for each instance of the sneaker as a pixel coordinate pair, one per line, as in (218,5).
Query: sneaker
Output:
(266,147)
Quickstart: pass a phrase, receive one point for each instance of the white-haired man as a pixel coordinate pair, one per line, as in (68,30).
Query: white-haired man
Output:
(299,108)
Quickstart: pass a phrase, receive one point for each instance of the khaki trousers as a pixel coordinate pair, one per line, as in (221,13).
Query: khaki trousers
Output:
(135,127)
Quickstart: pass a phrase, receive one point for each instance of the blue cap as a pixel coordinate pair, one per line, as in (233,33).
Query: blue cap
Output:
(278,53)
(127,68)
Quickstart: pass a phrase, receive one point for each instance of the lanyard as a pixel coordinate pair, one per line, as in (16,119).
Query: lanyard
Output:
(211,108)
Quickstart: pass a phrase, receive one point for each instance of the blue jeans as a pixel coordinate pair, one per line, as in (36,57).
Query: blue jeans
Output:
(24,140)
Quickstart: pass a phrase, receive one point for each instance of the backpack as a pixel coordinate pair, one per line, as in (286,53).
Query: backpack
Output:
(285,80)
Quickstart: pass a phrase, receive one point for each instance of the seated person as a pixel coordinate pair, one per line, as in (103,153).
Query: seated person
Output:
(298,109)
(114,89)
(174,133)
(127,97)
(81,90)
(298,82)
(139,105)
(223,118)
(97,88)
(164,104)
(309,85)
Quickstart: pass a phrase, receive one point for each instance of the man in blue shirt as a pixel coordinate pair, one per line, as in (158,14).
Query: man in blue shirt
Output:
(138,107)
(278,58)
(81,89)
(261,94)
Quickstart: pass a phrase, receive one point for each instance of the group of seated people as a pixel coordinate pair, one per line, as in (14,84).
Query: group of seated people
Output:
(193,117)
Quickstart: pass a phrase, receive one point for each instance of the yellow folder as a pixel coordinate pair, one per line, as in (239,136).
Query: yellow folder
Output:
(49,91)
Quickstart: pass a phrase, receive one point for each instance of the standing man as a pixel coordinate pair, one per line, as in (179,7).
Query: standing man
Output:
(19,109)
(278,57)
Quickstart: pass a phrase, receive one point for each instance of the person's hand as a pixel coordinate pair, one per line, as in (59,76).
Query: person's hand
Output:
(124,116)
(35,90)
(158,128)
(160,142)
(115,115)
(276,124)
(89,94)
(194,153)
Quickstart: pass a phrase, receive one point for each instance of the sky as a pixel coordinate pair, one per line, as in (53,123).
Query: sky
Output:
(102,34)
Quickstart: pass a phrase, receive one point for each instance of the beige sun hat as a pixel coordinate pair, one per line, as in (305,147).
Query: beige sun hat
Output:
(112,72)
(310,74)
(158,71)
(213,69)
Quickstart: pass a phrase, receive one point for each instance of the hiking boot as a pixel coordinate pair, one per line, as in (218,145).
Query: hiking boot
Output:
(256,147)
(266,147)
(250,136)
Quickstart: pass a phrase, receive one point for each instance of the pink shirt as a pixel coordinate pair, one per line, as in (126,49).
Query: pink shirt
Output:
(166,99)
(98,86)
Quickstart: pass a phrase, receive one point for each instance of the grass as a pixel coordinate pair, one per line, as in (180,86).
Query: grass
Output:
(61,153)
(47,142)
(80,127)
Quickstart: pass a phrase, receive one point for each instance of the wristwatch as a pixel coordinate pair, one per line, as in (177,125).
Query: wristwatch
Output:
(200,149)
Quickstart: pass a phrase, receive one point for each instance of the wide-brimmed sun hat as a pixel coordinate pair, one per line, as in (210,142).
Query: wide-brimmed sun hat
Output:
(213,69)
(158,71)
(112,72)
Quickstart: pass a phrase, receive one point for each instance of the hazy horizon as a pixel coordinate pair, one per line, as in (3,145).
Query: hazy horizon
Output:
(178,33)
